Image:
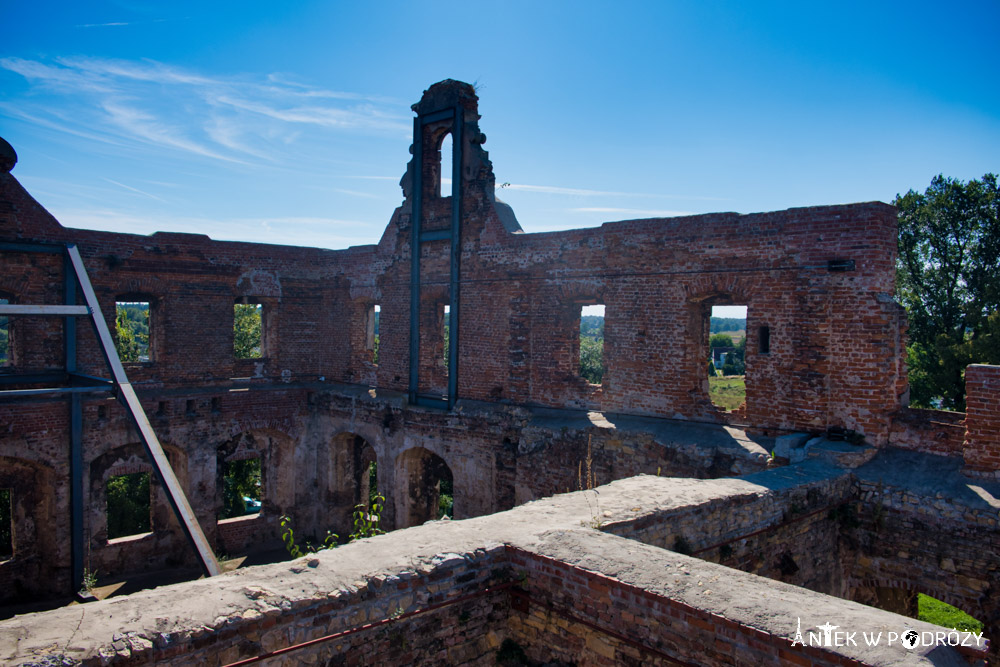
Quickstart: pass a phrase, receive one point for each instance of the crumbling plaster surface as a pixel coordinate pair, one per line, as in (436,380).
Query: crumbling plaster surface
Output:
(164,619)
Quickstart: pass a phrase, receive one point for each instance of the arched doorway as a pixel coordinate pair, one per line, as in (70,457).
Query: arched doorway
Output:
(426,489)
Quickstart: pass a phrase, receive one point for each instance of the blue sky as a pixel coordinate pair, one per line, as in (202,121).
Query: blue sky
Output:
(290,122)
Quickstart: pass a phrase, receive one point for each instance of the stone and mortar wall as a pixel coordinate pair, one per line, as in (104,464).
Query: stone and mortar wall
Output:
(451,592)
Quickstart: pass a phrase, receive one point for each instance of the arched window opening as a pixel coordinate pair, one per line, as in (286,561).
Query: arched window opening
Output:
(727,356)
(129,506)
(446,165)
(427,489)
(242,488)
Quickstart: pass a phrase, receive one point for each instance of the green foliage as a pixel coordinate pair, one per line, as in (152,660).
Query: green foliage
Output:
(719,324)
(128,505)
(592,359)
(6,525)
(948,280)
(940,613)
(132,331)
(240,479)
(446,499)
(720,340)
(293,549)
(375,350)
(727,393)
(711,369)
(368,518)
(247,318)
(89,579)
(733,364)
(592,326)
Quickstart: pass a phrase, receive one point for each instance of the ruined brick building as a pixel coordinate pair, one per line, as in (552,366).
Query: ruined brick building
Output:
(503,414)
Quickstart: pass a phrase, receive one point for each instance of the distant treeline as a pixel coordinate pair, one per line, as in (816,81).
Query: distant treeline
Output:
(720,324)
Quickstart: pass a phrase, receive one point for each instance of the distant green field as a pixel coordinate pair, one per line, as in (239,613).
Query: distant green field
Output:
(941,613)
(727,393)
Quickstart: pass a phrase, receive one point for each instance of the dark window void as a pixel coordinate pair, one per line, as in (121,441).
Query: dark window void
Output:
(6,525)
(128,505)
(242,490)
(764,340)
(132,331)
(248,329)
(372,318)
(5,355)
(591,327)
(446,165)
(727,343)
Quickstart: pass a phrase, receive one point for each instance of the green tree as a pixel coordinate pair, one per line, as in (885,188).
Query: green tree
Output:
(247,331)
(128,505)
(720,340)
(592,359)
(126,343)
(948,279)
(241,479)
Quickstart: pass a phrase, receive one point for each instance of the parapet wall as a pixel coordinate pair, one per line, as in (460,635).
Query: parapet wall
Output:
(453,591)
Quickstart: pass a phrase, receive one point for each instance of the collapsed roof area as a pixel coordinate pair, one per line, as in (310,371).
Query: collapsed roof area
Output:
(448,355)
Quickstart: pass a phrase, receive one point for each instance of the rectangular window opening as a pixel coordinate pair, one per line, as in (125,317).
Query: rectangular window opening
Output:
(764,340)
(132,331)
(248,329)
(5,356)
(727,356)
(592,343)
(242,490)
(446,333)
(129,507)
(6,525)
(371,331)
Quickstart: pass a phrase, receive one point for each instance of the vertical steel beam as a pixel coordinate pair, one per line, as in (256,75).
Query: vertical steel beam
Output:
(126,394)
(415,216)
(76,434)
(456,254)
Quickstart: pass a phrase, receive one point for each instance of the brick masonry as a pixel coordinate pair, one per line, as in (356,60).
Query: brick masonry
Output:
(315,407)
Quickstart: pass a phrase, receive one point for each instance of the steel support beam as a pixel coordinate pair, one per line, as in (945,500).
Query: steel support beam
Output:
(59,310)
(455,250)
(126,394)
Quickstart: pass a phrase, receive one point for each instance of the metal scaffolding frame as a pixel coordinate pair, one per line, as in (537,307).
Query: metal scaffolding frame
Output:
(455,115)
(74,385)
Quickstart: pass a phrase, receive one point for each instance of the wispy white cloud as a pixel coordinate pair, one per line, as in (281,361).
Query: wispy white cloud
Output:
(136,190)
(582,192)
(650,213)
(317,232)
(233,119)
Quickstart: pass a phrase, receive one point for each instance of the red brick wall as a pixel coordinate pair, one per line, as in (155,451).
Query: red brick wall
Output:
(982,421)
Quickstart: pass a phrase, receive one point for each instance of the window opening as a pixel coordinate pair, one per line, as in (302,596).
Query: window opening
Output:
(446,165)
(446,334)
(727,356)
(764,340)
(242,490)
(248,330)
(5,356)
(132,331)
(129,507)
(371,330)
(591,327)
(6,525)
